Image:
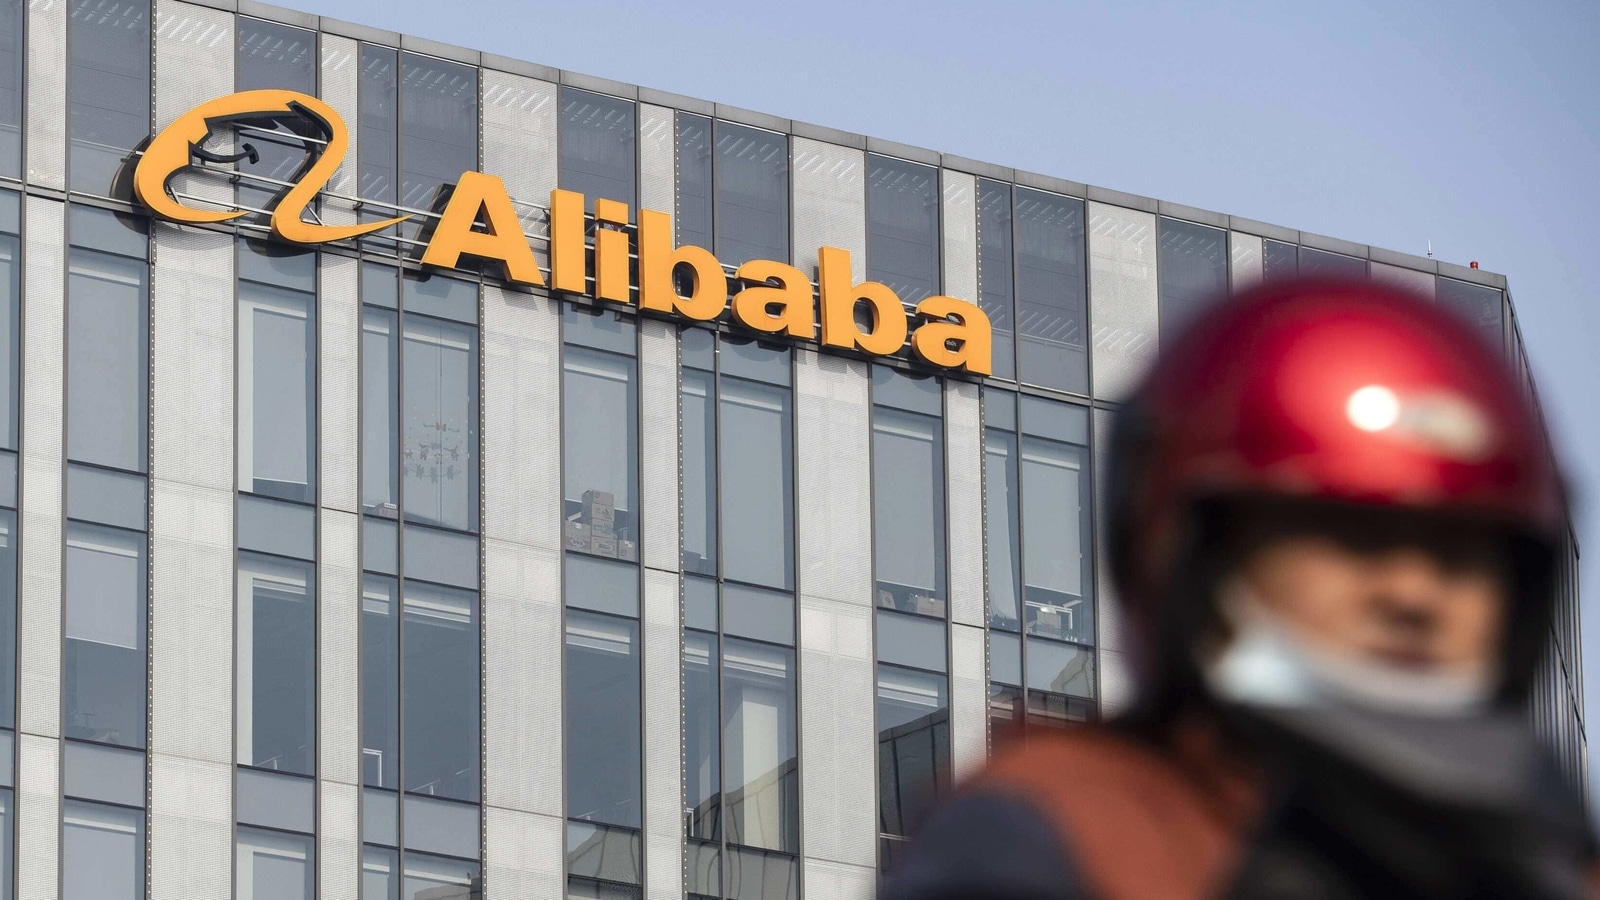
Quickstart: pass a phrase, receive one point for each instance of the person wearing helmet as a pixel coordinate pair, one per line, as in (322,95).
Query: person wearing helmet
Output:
(1334,527)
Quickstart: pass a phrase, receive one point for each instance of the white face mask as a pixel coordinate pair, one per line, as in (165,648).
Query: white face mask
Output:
(1266,664)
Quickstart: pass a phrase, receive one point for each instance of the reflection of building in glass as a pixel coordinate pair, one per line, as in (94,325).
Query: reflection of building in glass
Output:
(326,573)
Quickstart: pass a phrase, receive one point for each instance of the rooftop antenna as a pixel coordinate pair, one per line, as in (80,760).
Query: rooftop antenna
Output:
(1430,249)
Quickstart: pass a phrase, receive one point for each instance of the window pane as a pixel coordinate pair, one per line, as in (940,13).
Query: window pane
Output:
(439,122)
(106,345)
(1046,710)
(763,778)
(7,838)
(1278,260)
(10,329)
(441,692)
(102,852)
(996,282)
(1051,292)
(913,746)
(437,878)
(378,122)
(380,874)
(277,392)
(903,226)
(276,678)
(8,620)
(1321,262)
(762,875)
(600,441)
(380,413)
(380,683)
(702,735)
(1005,711)
(441,423)
(104,669)
(596,146)
(1054,540)
(274,866)
(1060,668)
(1001,500)
(693,220)
(908,497)
(752,174)
(11,99)
(270,55)
(602,719)
(1479,305)
(699,473)
(757,457)
(108,88)
(1194,271)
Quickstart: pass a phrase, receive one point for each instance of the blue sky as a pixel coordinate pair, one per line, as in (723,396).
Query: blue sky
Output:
(1472,125)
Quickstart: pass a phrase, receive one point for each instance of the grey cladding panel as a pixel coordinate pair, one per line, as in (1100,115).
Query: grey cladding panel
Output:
(659,398)
(1123,297)
(519,145)
(46,82)
(964,499)
(663,737)
(829,204)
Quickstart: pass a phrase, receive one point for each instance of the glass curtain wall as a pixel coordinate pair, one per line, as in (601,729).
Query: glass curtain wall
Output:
(105,664)
(1193,269)
(10,338)
(108,91)
(1481,306)
(12,17)
(597,147)
(733,189)
(270,55)
(421,621)
(740,729)
(903,226)
(1041,600)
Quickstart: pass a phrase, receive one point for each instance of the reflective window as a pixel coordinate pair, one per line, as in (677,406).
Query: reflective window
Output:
(440,691)
(439,456)
(270,55)
(903,226)
(693,219)
(107,340)
(759,733)
(380,873)
(1001,474)
(378,124)
(602,719)
(1194,271)
(996,277)
(104,668)
(702,734)
(439,878)
(10,317)
(12,16)
(603,863)
(1052,293)
(699,470)
(1321,262)
(600,442)
(380,412)
(102,852)
(8,817)
(277,373)
(908,498)
(380,683)
(108,88)
(272,865)
(8,622)
(1479,305)
(913,712)
(418,120)
(276,675)
(1278,260)
(597,152)
(751,172)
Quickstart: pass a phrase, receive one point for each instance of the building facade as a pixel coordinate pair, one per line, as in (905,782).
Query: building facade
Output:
(327,572)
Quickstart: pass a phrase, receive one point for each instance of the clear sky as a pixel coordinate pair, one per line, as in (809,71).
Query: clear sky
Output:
(1473,125)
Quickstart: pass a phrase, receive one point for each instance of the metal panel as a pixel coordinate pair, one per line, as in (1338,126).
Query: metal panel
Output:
(38,817)
(519,144)
(522,432)
(46,82)
(1406,279)
(1245,263)
(522,677)
(659,397)
(837,729)
(963,440)
(338,840)
(838,882)
(192,373)
(969,699)
(1123,300)
(1116,683)
(338,647)
(194,54)
(44,349)
(830,206)
(339,381)
(658,170)
(522,855)
(960,223)
(834,477)
(663,737)
(191,828)
(340,72)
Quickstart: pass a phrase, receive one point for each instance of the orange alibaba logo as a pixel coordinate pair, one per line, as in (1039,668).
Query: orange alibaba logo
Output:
(172,150)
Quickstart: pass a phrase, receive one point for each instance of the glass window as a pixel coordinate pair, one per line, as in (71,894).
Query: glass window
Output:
(996,278)
(903,226)
(270,55)
(1278,260)
(10,322)
(600,439)
(7,842)
(1051,290)
(380,683)
(757,490)
(1060,668)
(1054,530)
(272,865)
(603,751)
(759,737)
(440,691)
(8,621)
(693,219)
(1194,271)
(108,88)
(699,472)
(439,878)
(908,499)
(752,183)
(380,412)
(1479,305)
(1003,518)
(102,852)
(913,746)
(379,125)
(438,126)
(11,100)
(107,343)
(440,453)
(277,386)
(702,732)
(104,669)
(604,862)
(597,146)
(1321,262)
(276,677)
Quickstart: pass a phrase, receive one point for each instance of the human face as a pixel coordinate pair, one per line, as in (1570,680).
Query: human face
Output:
(1428,595)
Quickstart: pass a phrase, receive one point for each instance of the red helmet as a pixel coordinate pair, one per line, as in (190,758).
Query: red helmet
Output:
(1336,391)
